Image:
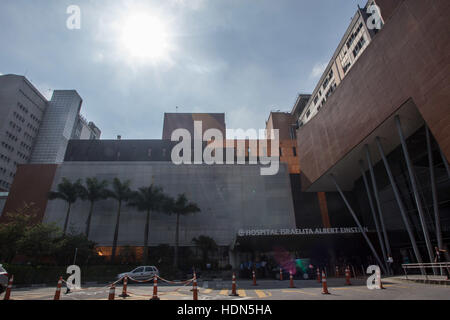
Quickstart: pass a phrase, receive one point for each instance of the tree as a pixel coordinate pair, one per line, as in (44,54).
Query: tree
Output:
(206,245)
(94,191)
(121,192)
(72,243)
(39,241)
(68,192)
(16,225)
(147,199)
(180,207)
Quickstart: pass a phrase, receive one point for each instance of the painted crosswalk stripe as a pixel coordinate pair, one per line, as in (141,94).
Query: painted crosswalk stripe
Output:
(207,291)
(299,291)
(223,292)
(260,294)
(241,293)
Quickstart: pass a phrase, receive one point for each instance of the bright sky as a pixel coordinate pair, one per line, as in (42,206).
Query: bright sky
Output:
(131,61)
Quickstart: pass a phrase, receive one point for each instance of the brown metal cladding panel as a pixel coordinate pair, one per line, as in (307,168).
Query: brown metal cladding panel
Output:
(408,58)
(31,185)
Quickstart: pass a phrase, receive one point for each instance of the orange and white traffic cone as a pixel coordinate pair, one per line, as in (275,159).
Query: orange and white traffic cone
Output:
(324,283)
(112,292)
(155,288)
(254,278)
(291,280)
(233,286)
(124,289)
(318,275)
(347,276)
(58,289)
(337,272)
(281,274)
(9,288)
(194,288)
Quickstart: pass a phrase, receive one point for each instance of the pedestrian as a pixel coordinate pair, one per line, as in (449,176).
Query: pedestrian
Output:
(439,259)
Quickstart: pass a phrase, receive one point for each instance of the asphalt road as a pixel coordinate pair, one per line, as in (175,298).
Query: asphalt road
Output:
(265,290)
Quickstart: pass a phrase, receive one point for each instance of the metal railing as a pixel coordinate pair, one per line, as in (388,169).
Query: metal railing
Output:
(424,266)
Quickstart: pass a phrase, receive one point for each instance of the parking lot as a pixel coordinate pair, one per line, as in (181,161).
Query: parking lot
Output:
(265,290)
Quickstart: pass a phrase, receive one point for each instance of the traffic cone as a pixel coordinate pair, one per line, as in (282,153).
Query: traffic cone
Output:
(324,284)
(281,274)
(347,276)
(8,289)
(58,289)
(112,292)
(233,286)
(194,287)
(318,275)
(291,280)
(337,272)
(155,288)
(254,278)
(124,289)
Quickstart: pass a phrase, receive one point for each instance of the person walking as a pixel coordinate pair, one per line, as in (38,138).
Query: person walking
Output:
(439,258)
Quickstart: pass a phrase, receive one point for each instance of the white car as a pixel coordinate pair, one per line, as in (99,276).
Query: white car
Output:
(141,273)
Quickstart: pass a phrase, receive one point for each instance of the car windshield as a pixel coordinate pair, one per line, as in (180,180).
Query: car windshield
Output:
(2,269)
(141,269)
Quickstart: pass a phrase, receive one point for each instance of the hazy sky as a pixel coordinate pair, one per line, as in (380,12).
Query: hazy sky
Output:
(131,61)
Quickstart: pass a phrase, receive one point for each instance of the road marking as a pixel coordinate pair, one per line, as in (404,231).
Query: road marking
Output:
(223,292)
(207,291)
(260,294)
(299,291)
(241,293)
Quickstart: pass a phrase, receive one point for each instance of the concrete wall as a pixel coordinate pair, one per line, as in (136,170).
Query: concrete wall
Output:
(231,197)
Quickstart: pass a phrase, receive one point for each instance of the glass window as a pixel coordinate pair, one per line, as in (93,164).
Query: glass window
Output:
(140,269)
(148,269)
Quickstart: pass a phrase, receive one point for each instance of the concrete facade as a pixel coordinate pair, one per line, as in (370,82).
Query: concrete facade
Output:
(21,111)
(231,197)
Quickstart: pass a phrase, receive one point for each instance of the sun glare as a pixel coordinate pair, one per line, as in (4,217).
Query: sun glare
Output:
(145,37)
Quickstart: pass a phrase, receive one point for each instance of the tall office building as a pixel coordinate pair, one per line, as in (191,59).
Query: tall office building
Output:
(22,108)
(35,130)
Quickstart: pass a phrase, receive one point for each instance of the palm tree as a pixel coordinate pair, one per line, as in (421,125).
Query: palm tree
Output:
(94,191)
(68,192)
(121,192)
(205,244)
(181,207)
(147,199)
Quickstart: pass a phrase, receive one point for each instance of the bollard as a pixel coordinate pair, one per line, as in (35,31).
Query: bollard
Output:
(291,280)
(318,275)
(233,286)
(347,276)
(112,292)
(58,290)
(9,288)
(281,274)
(194,288)
(155,288)
(254,278)
(324,284)
(124,289)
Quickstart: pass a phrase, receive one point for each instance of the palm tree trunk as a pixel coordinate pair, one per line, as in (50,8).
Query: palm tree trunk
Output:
(116,233)
(88,222)
(175,258)
(67,219)
(145,253)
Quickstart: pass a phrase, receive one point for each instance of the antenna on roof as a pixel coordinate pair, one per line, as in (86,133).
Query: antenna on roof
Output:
(176,108)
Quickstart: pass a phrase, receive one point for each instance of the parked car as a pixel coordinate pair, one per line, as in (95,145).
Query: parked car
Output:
(3,279)
(141,273)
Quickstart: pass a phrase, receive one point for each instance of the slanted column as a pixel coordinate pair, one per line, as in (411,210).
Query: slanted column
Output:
(358,224)
(417,198)
(399,202)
